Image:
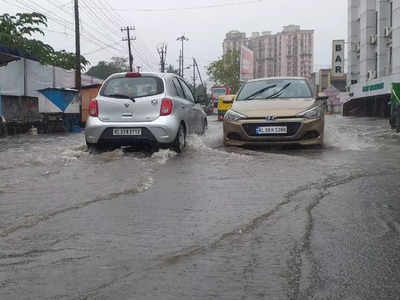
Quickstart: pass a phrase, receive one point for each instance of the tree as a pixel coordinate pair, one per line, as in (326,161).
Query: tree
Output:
(171,69)
(104,69)
(16,33)
(226,71)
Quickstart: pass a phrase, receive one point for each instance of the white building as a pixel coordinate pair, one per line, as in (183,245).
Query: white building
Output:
(374,50)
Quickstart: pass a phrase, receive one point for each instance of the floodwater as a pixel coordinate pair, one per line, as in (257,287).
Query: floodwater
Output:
(211,223)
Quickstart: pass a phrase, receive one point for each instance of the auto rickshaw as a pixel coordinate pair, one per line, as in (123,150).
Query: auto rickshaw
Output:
(224,104)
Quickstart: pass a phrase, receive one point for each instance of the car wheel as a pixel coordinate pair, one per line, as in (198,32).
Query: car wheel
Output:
(398,124)
(204,127)
(180,141)
(392,122)
(93,148)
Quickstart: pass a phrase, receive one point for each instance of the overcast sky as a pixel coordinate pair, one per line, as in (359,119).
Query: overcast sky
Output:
(204,22)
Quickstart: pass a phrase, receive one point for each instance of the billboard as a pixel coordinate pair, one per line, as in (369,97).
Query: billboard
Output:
(246,64)
(338,58)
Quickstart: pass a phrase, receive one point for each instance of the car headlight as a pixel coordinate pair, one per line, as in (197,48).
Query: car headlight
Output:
(313,113)
(233,116)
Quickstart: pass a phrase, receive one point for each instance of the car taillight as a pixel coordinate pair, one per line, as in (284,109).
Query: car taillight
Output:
(166,107)
(133,75)
(93,108)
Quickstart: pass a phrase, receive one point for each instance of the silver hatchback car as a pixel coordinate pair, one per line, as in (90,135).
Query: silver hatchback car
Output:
(155,109)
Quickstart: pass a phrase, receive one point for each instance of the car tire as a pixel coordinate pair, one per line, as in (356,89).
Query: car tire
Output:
(180,140)
(204,127)
(93,148)
(392,122)
(397,126)
(396,120)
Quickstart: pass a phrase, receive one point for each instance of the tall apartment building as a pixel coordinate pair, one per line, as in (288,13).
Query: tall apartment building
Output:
(374,49)
(234,40)
(286,53)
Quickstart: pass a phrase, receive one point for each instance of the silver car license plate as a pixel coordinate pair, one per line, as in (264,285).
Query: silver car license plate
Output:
(272,130)
(128,131)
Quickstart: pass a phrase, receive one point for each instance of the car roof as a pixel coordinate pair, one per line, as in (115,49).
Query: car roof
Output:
(158,74)
(282,77)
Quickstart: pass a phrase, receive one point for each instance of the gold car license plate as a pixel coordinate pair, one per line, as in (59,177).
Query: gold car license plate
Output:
(130,131)
(272,130)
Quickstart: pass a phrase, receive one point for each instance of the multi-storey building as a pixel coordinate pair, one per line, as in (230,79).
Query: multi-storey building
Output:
(373,53)
(295,51)
(287,53)
(234,40)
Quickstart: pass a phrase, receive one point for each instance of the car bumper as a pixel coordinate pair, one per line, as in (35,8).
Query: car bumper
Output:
(161,131)
(307,132)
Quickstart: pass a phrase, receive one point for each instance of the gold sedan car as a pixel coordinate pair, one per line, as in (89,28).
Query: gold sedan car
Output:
(279,110)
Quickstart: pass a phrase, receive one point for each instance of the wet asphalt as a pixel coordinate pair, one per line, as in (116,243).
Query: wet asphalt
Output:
(211,223)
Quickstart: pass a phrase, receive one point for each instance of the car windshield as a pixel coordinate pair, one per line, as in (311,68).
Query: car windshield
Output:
(132,87)
(275,88)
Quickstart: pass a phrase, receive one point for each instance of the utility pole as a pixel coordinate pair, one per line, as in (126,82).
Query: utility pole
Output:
(180,62)
(183,39)
(129,39)
(194,78)
(201,80)
(162,51)
(77,48)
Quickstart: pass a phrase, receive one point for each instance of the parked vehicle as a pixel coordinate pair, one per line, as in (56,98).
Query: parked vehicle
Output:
(217,91)
(156,109)
(275,111)
(224,104)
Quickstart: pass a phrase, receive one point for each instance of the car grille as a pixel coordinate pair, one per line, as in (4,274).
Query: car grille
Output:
(292,128)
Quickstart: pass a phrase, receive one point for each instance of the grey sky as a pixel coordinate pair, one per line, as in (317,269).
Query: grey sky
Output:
(205,27)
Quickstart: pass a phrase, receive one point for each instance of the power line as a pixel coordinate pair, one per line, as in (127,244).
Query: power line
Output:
(190,7)
(91,38)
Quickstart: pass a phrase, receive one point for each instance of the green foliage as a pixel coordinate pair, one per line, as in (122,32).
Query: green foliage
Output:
(226,71)
(104,69)
(16,32)
(171,69)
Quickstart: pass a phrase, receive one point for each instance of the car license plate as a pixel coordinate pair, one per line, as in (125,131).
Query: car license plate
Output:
(272,130)
(130,131)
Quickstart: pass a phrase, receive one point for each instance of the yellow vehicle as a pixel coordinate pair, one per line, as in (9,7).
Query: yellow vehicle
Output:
(224,104)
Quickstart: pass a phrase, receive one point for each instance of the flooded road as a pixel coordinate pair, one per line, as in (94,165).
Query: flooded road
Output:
(211,223)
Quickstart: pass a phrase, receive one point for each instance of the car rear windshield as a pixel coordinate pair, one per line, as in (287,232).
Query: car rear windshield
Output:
(132,87)
(275,89)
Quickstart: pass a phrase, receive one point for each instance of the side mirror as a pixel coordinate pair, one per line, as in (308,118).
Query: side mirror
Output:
(322,97)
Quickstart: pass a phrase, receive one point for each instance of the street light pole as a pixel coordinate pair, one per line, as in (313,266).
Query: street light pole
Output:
(77,48)
(182,38)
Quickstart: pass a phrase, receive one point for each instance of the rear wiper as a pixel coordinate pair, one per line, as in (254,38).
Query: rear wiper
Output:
(260,91)
(278,93)
(122,96)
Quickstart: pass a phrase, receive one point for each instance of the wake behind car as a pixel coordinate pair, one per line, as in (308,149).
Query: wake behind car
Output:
(278,110)
(156,109)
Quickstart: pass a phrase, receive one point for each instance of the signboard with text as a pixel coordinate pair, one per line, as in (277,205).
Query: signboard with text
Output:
(338,58)
(246,64)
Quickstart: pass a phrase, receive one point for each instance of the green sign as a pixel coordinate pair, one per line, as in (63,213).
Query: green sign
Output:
(395,96)
(373,87)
